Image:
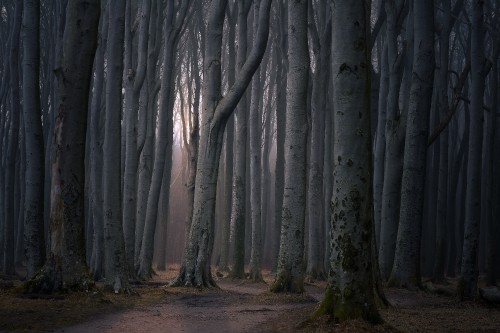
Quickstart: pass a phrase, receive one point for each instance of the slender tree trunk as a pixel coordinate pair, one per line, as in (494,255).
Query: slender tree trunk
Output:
(33,136)
(238,200)
(134,80)
(395,126)
(116,272)
(96,146)
(146,134)
(468,282)
(12,143)
(255,122)
(290,274)
(406,268)
(379,154)
(163,144)
(279,170)
(228,153)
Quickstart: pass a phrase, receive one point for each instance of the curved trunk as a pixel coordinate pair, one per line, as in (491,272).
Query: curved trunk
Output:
(195,269)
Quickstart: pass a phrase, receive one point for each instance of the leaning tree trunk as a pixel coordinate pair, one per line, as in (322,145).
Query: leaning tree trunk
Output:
(114,246)
(470,273)
(350,293)
(406,268)
(33,137)
(290,274)
(163,144)
(195,269)
(66,267)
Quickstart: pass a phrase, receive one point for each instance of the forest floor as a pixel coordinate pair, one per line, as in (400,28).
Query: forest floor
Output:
(239,306)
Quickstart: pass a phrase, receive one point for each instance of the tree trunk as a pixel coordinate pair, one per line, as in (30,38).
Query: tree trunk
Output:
(290,274)
(134,79)
(379,154)
(33,136)
(146,133)
(280,131)
(395,126)
(66,267)
(406,268)
(195,269)
(255,122)
(96,146)
(238,200)
(350,290)
(163,144)
(116,272)
(12,137)
(468,282)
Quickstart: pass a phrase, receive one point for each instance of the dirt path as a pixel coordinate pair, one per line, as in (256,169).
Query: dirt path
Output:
(238,307)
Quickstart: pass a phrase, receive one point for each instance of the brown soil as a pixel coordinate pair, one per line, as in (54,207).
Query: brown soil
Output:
(239,306)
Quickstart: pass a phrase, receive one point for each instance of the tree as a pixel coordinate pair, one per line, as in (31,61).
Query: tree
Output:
(290,274)
(33,204)
(134,80)
(406,268)
(350,290)
(238,201)
(116,272)
(468,282)
(163,146)
(255,165)
(66,267)
(195,269)
(11,137)
(320,37)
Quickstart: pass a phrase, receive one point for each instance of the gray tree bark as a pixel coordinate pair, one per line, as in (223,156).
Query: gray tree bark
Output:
(350,290)
(321,47)
(406,268)
(255,123)
(238,201)
(96,144)
(395,126)
(146,132)
(34,191)
(163,144)
(290,274)
(279,170)
(195,270)
(66,267)
(468,283)
(12,136)
(134,79)
(116,272)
